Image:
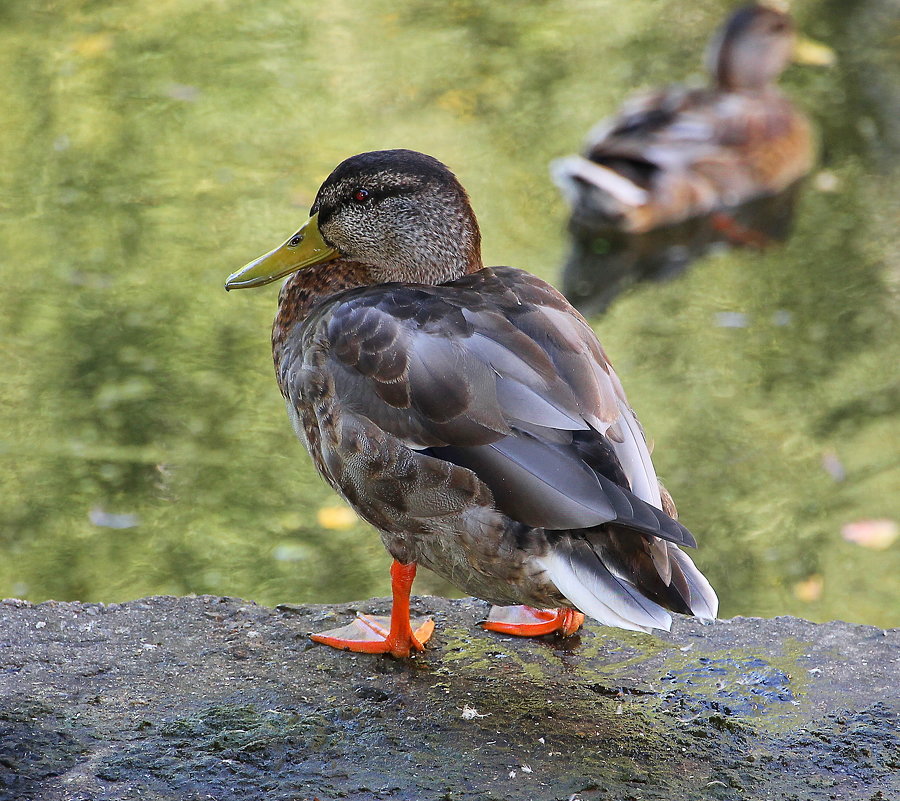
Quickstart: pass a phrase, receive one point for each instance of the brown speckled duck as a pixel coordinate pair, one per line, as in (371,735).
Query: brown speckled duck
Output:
(468,413)
(678,153)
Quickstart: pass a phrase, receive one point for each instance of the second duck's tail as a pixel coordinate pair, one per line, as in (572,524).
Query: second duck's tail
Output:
(598,189)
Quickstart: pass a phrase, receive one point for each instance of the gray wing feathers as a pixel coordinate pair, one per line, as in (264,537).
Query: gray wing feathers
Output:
(500,376)
(518,382)
(422,385)
(634,455)
(536,483)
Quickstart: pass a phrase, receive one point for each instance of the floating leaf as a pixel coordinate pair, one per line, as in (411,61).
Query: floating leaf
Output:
(810,589)
(336,517)
(875,534)
(293,552)
(93,45)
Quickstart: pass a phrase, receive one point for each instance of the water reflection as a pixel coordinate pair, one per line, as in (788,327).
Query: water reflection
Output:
(603,262)
(150,149)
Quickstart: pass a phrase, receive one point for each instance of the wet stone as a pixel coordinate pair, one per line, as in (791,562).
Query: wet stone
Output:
(207,697)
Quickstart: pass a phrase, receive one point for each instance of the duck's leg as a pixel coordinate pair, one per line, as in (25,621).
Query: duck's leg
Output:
(526,621)
(739,234)
(374,634)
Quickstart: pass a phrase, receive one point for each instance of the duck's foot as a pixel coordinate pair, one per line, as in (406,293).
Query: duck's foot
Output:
(526,621)
(397,635)
(738,234)
(371,634)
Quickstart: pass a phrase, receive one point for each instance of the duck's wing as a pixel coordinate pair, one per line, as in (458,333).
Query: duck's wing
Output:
(624,572)
(498,374)
(677,127)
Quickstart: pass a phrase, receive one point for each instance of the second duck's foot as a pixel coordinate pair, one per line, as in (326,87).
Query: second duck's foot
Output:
(526,621)
(737,234)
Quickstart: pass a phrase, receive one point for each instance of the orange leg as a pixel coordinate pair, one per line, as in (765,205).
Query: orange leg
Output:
(738,234)
(526,621)
(373,634)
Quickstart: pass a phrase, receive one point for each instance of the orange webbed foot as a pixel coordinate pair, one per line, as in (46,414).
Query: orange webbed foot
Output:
(739,234)
(526,621)
(397,635)
(371,634)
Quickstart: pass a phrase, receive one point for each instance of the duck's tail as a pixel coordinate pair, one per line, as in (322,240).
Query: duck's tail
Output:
(625,579)
(605,191)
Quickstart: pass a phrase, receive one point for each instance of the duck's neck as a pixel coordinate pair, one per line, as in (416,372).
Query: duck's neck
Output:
(308,287)
(727,79)
(735,67)
(435,262)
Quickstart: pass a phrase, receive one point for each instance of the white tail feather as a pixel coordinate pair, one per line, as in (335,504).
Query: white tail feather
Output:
(659,553)
(608,600)
(704,602)
(566,170)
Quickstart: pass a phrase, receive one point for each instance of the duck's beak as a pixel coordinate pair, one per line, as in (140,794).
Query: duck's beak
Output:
(303,249)
(810,52)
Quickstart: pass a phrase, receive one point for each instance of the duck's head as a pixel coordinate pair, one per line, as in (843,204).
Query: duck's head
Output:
(752,48)
(402,215)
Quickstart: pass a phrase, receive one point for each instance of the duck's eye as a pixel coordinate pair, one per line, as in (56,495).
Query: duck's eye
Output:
(295,240)
(361,195)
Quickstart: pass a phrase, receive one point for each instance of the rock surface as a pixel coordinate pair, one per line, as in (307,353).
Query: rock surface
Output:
(217,698)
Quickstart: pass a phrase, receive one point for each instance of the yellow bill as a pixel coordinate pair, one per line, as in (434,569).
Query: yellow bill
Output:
(811,52)
(303,249)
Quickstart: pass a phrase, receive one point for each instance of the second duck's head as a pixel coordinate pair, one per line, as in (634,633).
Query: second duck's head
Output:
(400,214)
(751,49)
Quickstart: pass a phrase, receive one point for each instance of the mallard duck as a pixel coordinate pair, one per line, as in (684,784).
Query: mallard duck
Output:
(677,152)
(468,413)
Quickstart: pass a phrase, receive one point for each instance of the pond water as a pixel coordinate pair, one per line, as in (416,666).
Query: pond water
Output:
(151,149)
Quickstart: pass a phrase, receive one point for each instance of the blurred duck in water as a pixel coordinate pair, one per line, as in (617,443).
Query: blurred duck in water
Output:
(678,152)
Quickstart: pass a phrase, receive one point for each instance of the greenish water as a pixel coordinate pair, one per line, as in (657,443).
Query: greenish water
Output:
(148,150)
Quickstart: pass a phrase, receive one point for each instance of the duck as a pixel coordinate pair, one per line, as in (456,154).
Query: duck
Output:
(469,414)
(678,152)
